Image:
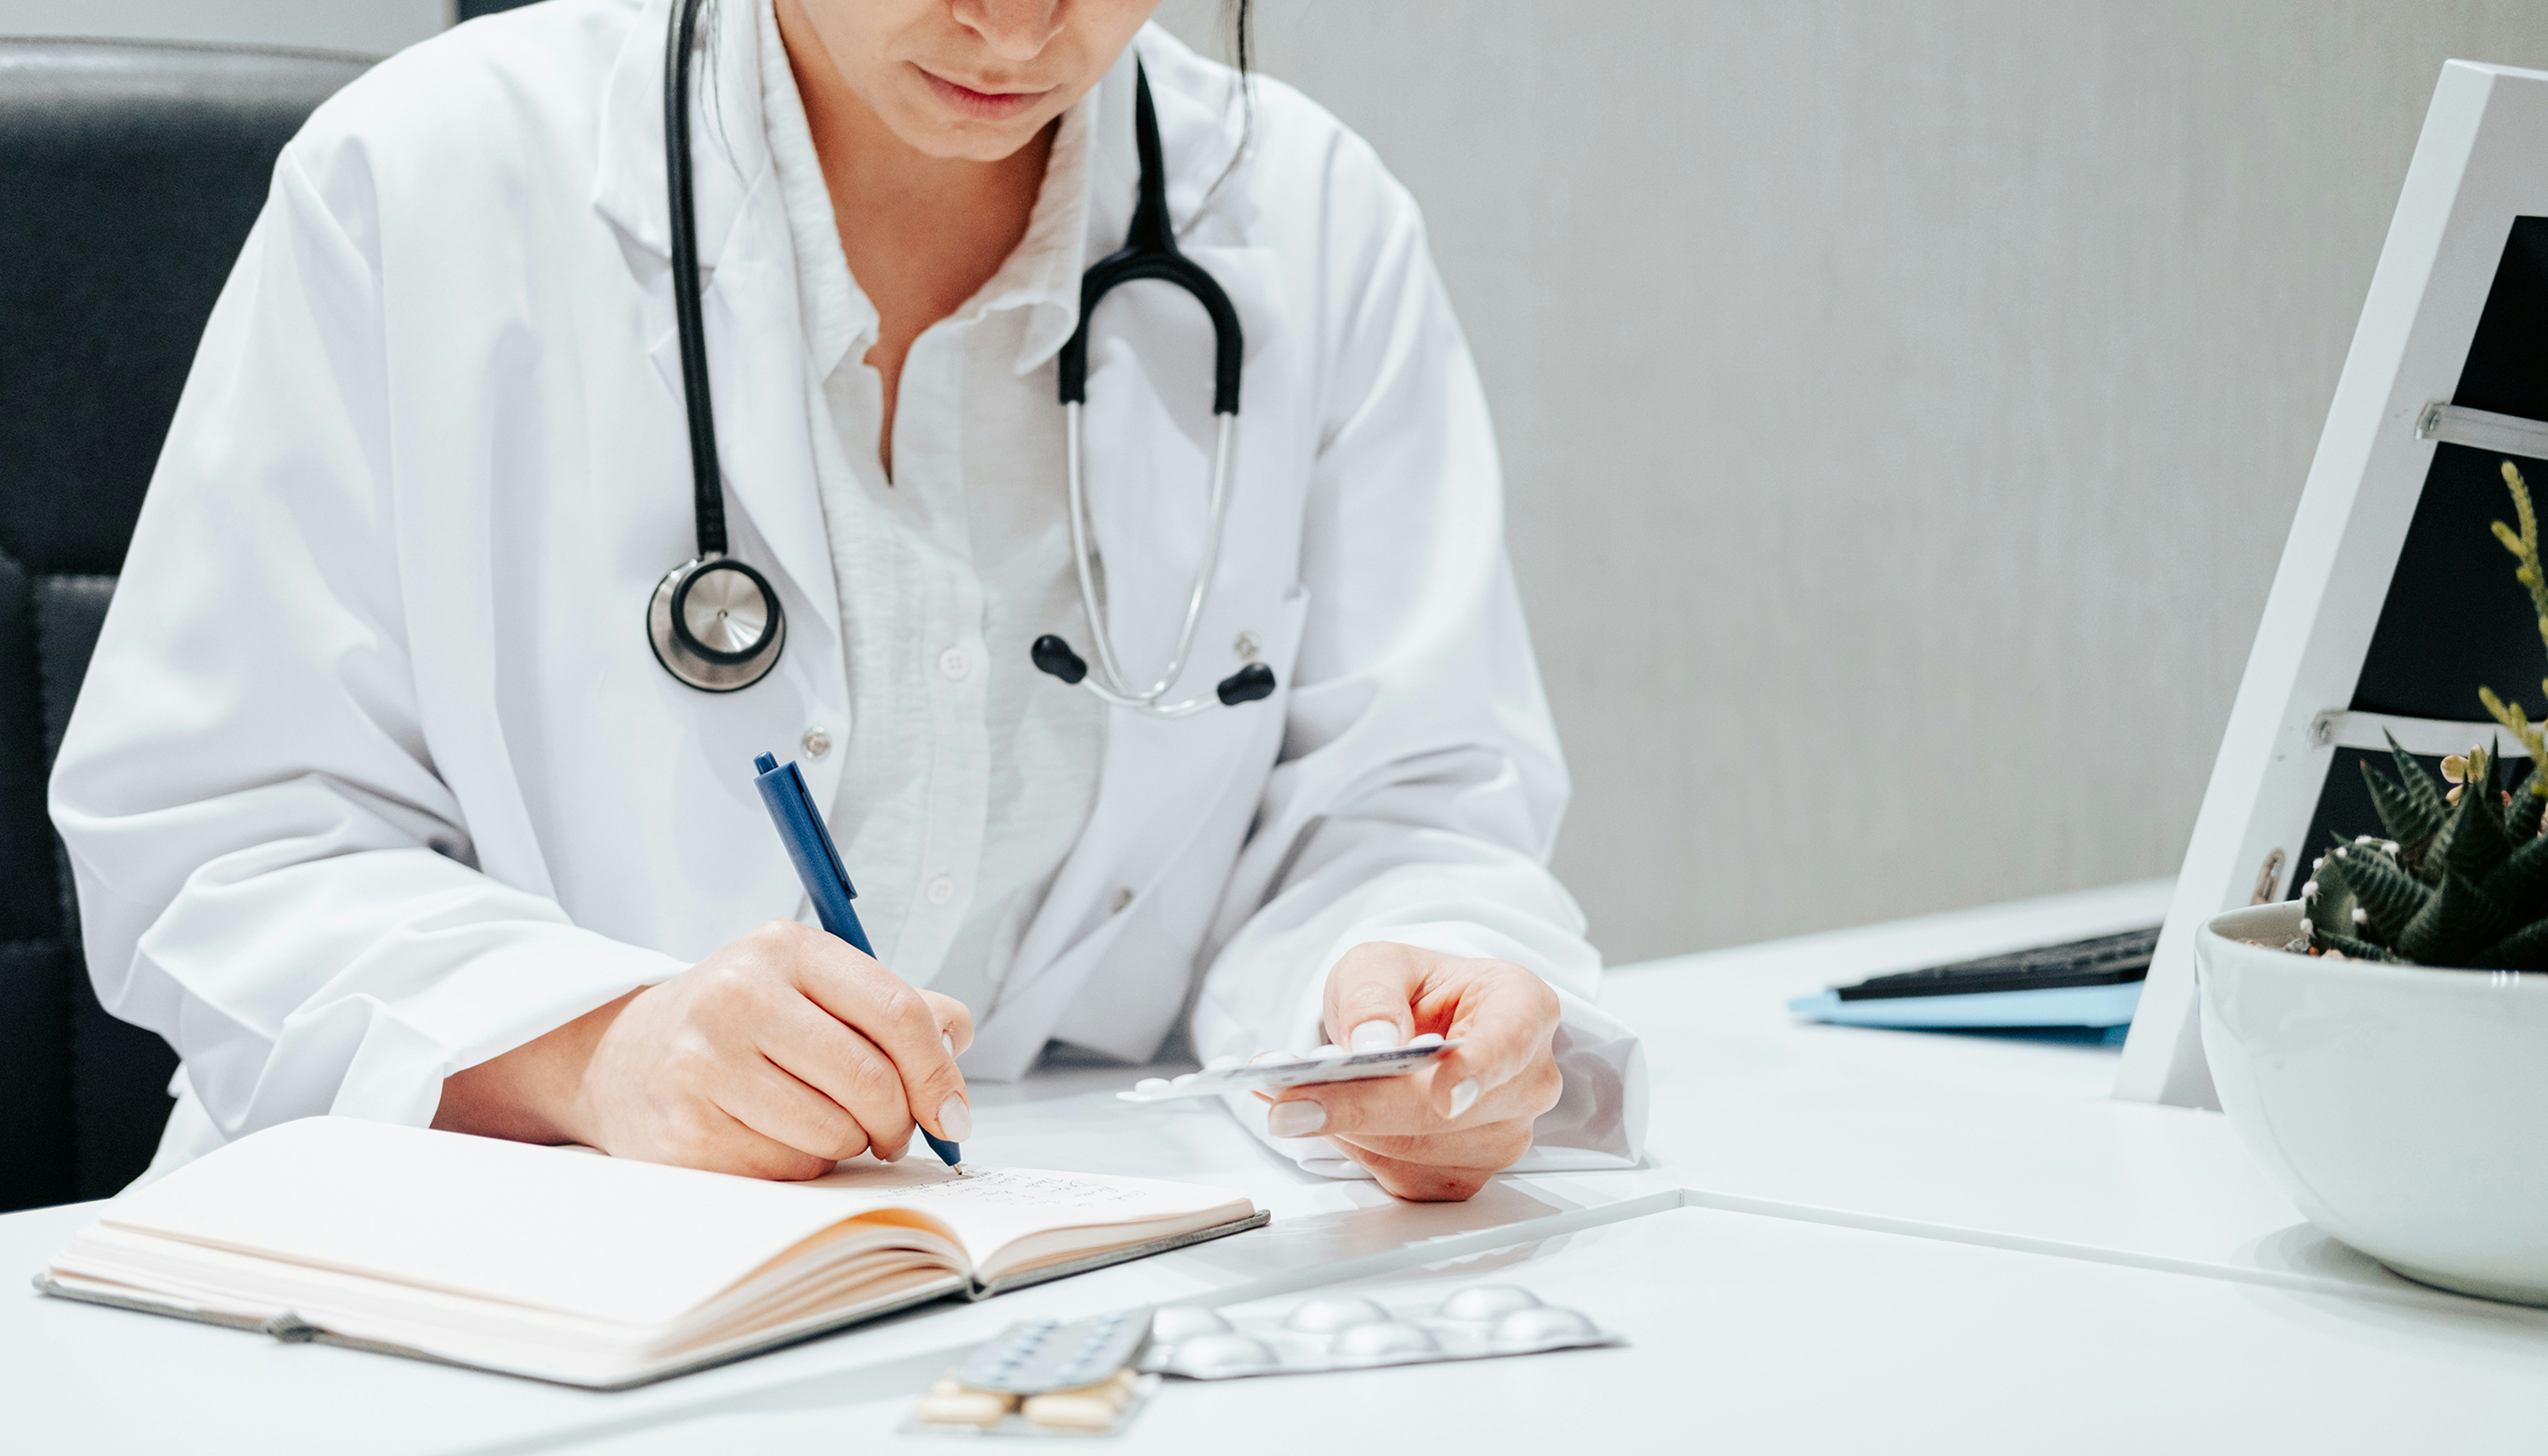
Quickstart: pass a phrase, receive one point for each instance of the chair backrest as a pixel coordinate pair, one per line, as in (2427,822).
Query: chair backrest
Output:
(133,172)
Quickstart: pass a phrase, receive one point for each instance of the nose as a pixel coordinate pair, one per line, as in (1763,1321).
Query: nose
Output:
(1015,30)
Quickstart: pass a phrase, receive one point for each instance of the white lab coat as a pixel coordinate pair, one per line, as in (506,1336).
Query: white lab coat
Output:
(374,776)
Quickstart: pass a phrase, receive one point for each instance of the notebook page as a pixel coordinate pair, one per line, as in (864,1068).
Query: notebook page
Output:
(991,1207)
(557,1228)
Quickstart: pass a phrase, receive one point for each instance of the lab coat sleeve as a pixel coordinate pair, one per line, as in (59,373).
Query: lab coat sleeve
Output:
(1419,785)
(272,872)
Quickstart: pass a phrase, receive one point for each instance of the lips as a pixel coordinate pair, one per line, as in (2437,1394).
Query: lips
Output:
(989,106)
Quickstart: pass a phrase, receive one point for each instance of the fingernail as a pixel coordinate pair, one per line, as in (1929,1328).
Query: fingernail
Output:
(1463,1096)
(1374,1036)
(954,1119)
(1295,1119)
(947,1042)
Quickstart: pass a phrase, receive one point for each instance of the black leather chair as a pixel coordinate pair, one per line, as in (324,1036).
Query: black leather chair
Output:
(131,173)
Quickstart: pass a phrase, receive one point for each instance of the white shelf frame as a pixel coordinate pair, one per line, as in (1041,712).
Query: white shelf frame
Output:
(2477,166)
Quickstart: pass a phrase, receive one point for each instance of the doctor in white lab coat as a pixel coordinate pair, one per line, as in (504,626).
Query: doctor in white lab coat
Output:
(379,803)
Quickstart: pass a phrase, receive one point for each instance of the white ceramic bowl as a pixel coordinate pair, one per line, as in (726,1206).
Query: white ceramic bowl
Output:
(2404,1109)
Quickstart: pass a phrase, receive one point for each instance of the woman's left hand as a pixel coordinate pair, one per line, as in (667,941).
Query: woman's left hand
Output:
(1441,1133)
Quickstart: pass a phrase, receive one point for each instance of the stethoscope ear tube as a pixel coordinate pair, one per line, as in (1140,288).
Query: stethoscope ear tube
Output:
(1149,252)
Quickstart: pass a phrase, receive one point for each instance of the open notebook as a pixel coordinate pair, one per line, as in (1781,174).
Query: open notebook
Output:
(568,1266)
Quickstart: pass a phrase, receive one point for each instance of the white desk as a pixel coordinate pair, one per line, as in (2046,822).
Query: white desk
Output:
(1848,1240)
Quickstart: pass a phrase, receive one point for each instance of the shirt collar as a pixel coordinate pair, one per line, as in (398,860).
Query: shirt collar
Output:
(1041,275)
(727,152)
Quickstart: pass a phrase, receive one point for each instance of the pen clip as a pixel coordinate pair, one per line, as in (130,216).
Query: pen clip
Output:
(795,785)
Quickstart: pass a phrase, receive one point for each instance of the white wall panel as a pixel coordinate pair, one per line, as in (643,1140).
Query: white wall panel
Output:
(1903,404)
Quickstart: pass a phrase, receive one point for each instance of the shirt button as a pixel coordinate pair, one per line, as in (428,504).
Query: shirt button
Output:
(1122,899)
(954,664)
(818,743)
(941,890)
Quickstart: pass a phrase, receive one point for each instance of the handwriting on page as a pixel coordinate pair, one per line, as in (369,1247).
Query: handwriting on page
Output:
(1004,1188)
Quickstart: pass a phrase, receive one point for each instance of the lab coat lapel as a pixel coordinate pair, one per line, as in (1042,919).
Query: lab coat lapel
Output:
(1158,777)
(765,415)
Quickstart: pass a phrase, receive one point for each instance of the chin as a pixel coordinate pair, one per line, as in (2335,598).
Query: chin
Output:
(968,140)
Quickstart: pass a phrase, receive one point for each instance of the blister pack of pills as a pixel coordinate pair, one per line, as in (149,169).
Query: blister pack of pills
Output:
(1105,1408)
(1044,1377)
(1349,1333)
(1267,1070)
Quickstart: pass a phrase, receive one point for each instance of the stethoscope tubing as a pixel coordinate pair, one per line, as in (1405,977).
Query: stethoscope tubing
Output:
(688,315)
(1149,252)
(1112,688)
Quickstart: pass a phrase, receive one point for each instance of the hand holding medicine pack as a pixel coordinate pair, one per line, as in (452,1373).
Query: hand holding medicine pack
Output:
(1478,1069)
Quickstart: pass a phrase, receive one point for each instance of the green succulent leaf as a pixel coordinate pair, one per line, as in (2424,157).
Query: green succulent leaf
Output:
(2387,894)
(2410,805)
(2521,881)
(2454,924)
(2472,843)
(2357,949)
(2525,949)
(2327,902)
(2521,816)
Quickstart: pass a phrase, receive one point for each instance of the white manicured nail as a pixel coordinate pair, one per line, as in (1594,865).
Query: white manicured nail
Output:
(1463,1096)
(1374,1036)
(947,1042)
(1295,1119)
(954,1119)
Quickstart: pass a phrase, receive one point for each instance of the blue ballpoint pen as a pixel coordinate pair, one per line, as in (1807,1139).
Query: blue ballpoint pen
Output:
(817,861)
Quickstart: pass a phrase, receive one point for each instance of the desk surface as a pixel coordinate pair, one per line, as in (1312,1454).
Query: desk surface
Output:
(1846,1239)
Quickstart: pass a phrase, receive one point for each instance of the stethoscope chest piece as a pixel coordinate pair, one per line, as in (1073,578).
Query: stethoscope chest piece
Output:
(716,624)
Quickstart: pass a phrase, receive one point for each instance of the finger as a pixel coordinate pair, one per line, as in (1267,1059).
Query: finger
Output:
(1420,1182)
(894,1016)
(1370,994)
(808,1044)
(766,1100)
(1408,1105)
(709,1137)
(1504,1020)
(1488,1146)
(955,1020)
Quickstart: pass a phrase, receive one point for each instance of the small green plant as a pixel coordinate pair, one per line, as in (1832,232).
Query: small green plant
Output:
(2462,879)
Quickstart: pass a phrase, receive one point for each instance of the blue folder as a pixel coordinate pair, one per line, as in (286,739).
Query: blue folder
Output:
(2092,1007)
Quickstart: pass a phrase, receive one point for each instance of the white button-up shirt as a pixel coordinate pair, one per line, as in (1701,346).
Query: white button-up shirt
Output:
(969,774)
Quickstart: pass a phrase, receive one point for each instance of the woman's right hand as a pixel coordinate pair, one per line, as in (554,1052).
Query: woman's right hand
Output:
(777,1056)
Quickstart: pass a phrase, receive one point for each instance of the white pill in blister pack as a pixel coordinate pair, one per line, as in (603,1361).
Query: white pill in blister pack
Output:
(1348,1332)
(1101,1409)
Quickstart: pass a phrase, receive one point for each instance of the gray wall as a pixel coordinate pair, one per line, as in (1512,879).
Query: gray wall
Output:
(1903,401)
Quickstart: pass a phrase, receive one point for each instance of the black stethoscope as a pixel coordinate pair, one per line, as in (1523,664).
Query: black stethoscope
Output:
(716,624)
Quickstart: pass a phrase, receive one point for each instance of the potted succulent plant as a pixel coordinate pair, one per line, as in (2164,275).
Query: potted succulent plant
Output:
(2382,1041)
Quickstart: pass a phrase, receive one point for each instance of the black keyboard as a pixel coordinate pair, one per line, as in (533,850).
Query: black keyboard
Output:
(2104,961)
